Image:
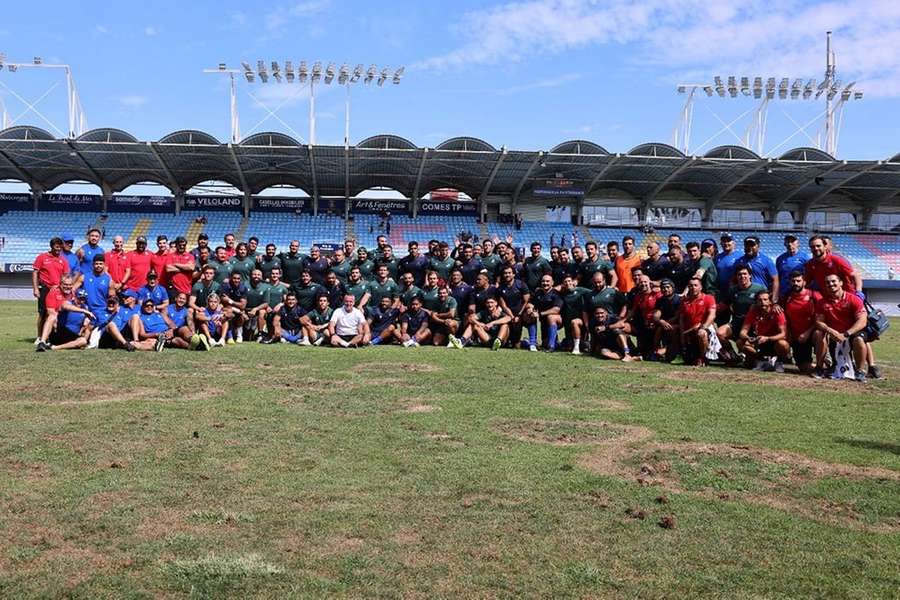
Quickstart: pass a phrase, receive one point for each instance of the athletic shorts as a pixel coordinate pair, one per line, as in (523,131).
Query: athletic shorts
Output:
(803,352)
(347,338)
(62,335)
(380,330)
(767,349)
(437,329)
(607,340)
(42,299)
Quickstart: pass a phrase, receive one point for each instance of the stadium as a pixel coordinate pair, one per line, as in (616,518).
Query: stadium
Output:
(675,444)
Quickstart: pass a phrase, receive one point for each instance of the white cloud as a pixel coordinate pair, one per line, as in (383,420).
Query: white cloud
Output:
(281,16)
(132,102)
(776,37)
(550,82)
(100,29)
(150,31)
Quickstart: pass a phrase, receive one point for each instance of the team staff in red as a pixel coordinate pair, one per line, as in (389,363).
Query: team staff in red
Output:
(823,263)
(800,312)
(180,269)
(159,260)
(764,334)
(696,315)
(48,270)
(840,316)
(117,263)
(137,265)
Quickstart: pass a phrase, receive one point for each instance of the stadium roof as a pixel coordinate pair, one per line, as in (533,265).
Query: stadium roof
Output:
(647,175)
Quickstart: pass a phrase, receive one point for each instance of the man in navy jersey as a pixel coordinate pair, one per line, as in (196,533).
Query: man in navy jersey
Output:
(317,265)
(667,338)
(514,299)
(234,301)
(334,289)
(469,264)
(488,327)
(546,309)
(414,325)
(608,339)
(480,293)
(414,263)
(287,323)
(383,321)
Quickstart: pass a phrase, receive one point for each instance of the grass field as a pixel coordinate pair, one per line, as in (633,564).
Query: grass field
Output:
(276,471)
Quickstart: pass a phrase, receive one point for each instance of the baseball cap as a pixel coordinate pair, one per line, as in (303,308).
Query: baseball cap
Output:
(81,294)
(666,281)
(790,238)
(180,240)
(202,236)
(152,275)
(140,240)
(751,239)
(726,237)
(148,301)
(707,243)
(130,294)
(67,237)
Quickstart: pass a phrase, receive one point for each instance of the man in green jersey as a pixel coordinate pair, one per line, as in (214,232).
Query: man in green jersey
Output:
(340,266)
(365,264)
(593,263)
(535,267)
(443,316)
(383,286)
(359,287)
(315,322)
(408,290)
(292,263)
(443,263)
(740,297)
(430,291)
(206,286)
(222,266)
(242,262)
(490,260)
(257,304)
(610,298)
(274,299)
(573,317)
(704,267)
(307,291)
(268,261)
(388,259)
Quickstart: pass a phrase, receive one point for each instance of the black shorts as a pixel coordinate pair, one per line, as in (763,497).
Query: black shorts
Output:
(440,329)
(493,331)
(42,299)
(347,338)
(380,330)
(107,342)
(803,352)
(62,335)
(607,340)
(766,349)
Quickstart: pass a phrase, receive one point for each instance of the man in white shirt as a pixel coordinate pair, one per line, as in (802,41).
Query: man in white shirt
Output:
(348,327)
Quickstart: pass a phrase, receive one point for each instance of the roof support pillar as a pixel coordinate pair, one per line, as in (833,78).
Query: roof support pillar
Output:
(179,202)
(105,194)
(612,161)
(523,181)
(173,184)
(675,173)
(779,203)
(36,193)
(711,202)
(482,198)
(315,182)
(417,188)
(22,173)
(240,172)
(248,201)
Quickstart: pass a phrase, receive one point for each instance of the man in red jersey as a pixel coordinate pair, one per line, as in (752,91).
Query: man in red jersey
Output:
(764,335)
(48,270)
(696,315)
(137,265)
(840,316)
(800,312)
(117,263)
(160,259)
(639,318)
(823,263)
(53,304)
(230,245)
(180,269)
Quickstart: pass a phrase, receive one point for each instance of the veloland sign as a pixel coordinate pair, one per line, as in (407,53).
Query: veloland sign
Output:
(213,202)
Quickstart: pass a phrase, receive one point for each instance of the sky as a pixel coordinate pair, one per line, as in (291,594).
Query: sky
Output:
(526,75)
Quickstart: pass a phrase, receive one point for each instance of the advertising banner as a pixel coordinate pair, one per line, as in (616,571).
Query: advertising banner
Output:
(430,207)
(282,204)
(157,204)
(559,188)
(213,203)
(17,268)
(372,206)
(74,202)
(15,202)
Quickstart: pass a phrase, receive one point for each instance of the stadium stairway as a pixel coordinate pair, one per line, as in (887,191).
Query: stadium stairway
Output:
(142,227)
(194,229)
(350,230)
(483,231)
(586,234)
(240,234)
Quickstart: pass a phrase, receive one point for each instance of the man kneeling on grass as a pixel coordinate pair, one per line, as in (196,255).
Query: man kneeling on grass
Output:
(348,327)
(763,336)
(490,327)
(73,325)
(608,339)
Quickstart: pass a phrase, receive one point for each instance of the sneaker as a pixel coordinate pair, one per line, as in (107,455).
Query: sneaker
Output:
(875,372)
(532,348)
(194,343)
(454,341)
(129,347)
(860,377)
(496,345)
(205,344)
(779,366)
(230,342)
(576,350)
(239,337)
(408,343)
(37,341)
(267,341)
(304,342)
(94,339)
(41,346)
(160,343)
(321,339)
(818,374)
(761,365)
(263,340)
(524,345)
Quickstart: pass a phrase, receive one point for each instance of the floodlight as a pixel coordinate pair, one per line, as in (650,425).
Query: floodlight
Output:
(329,73)
(745,86)
(302,71)
(289,70)
(344,74)
(222,66)
(708,89)
(718,81)
(13,68)
(681,89)
(397,75)
(261,69)
(248,72)
(383,76)
(370,74)
(317,71)
(38,60)
(276,71)
(357,73)
(845,95)
(2,60)
(857,95)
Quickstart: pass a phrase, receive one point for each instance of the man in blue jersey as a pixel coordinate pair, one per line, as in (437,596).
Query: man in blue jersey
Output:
(287,323)
(153,291)
(234,301)
(72,326)
(793,259)
(383,321)
(177,316)
(725,262)
(72,258)
(414,329)
(514,299)
(88,251)
(546,312)
(317,265)
(151,326)
(98,284)
(469,264)
(414,262)
(762,268)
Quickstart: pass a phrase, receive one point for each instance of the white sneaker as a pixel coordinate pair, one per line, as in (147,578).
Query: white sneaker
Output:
(304,342)
(414,344)
(576,350)
(239,338)
(532,348)
(319,340)
(218,343)
(37,341)
(94,340)
(408,343)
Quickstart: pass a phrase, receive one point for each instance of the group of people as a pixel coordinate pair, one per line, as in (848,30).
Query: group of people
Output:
(700,301)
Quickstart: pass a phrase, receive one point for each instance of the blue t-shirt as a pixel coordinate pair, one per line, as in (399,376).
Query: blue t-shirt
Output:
(97,288)
(157,293)
(87,260)
(123,317)
(213,324)
(725,268)
(290,317)
(72,259)
(154,322)
(514,294)
(414,320)
(785,264)
(762,269)
(178,316)
(73,321)
(382,318)
(463,295)
(102,317)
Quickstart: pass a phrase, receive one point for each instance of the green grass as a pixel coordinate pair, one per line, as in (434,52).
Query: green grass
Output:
(276,471)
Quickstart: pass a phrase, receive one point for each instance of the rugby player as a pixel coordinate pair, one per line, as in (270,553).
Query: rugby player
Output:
(469,264)
(762,268)
(257,307)
(233,297)
(514,298)
(287,322)
(696,322)
(268,261)
(625,262)
(340,265)
(791,260)
(442,314)
(655,264)
(489,326)
(116,263)
(159,260)
(800,312)
(414,263)
(738,300)
(365,264)
(212,322)
(667,318)
(154,292)
(608,340)
(334,289)
(408,291)
(317,265)
(764,335)
(383,286)
(137,265)
(840,316)
(315,322)
(307,291)
(573,316)
(382,320)
(546,309)
(242,262)
(89,250)
(414,329)
(72,321)
(292,263)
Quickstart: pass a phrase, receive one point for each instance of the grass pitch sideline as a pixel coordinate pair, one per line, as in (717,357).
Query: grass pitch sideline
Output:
(284,471)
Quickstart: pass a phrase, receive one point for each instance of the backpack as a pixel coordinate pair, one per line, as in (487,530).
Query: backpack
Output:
(878,322)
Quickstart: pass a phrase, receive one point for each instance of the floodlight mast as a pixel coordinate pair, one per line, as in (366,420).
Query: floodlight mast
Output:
(223,69)
(77,119)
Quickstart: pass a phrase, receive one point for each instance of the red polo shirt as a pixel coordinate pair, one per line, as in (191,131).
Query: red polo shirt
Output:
(817,270)
(116,263)
(800,310)
(182,280)
(765,324)
(50,268)
(139,263)
(695,309)
(840,313)
(56,298)
(644,305)
(229,252)
(158,263)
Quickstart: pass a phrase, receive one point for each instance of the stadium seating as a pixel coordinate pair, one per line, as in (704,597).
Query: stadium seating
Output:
(24,234)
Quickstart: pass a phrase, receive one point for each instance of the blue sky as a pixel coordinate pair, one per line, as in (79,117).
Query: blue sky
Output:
(526,75)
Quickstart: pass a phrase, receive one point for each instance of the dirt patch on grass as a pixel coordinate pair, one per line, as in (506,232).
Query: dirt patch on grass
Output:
(589,403)
(655,388)
(562,433)
(769,477)
(421,408)
(77,395)
(786,381)
(379,368)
